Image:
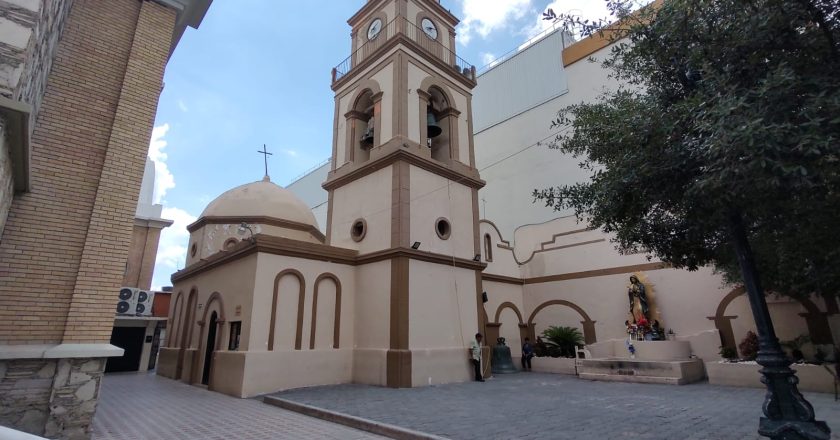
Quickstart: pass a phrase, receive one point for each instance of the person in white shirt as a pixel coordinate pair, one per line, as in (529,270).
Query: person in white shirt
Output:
(475,358)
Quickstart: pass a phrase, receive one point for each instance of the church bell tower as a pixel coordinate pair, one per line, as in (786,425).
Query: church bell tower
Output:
(403,192)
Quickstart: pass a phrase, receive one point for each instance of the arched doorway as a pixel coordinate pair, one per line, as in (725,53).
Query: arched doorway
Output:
(815,320)
(587,323)
(210,346)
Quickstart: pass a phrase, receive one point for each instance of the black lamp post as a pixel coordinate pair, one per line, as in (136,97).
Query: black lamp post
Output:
(787,415)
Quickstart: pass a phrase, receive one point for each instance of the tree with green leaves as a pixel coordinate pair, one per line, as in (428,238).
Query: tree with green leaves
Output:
(720,147)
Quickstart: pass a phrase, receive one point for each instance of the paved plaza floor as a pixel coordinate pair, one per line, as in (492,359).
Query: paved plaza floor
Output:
(145,407)
(543,406)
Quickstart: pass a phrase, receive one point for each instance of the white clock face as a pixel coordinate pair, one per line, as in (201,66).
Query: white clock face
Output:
(374,29)
(429,28)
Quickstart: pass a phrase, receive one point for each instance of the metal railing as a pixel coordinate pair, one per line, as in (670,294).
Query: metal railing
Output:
(401,26)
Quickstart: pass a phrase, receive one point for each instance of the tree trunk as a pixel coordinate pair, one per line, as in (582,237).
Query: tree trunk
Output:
(788,416)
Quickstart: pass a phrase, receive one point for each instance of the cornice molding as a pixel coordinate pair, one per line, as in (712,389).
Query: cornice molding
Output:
(502,279)
(468,177)
(320,252)
(416,50)
(264,220)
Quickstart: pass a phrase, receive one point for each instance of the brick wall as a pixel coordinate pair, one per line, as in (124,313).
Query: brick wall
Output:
(64,247)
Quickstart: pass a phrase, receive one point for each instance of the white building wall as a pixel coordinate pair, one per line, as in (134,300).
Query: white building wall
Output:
(513,133)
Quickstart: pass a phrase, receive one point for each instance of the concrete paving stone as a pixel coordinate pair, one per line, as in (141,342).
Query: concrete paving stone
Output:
(543,406)
(144,407)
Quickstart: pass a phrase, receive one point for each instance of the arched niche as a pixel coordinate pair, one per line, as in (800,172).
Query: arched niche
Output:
(276,302)
(815,320)
(364,121)
(587,323)
(336,333)
(436,99)
(177,308)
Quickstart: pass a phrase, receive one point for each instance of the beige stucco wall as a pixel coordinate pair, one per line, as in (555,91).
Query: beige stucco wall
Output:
(235,283)
(442,322)
(415,78)
(503,262)
(370,198)
(434,197)
(372,323)
(268,268)
(248,374)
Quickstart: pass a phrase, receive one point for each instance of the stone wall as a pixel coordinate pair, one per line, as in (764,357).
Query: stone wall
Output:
(33,29)
(6,178)
(49,397)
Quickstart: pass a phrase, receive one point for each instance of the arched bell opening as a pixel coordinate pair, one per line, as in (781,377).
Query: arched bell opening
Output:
(438,125)
(363,120)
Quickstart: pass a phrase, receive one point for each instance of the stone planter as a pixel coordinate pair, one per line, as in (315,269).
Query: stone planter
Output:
(553,365)
(811,377)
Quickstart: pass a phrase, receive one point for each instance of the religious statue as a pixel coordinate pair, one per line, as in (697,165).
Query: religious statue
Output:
(638,299)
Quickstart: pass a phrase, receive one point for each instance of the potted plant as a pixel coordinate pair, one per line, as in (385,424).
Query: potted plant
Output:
(562,341)
(749,346)
(795,345)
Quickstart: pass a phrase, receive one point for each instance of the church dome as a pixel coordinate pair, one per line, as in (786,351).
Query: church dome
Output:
(261,199)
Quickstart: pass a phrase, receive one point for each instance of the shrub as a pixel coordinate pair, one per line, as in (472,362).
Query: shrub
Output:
(562,341)
(795,345)
(749,346)
(728,353)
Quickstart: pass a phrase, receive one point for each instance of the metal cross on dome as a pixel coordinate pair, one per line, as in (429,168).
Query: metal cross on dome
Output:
(265,153)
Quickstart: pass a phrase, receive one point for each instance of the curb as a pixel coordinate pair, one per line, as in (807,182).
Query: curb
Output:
(384,429)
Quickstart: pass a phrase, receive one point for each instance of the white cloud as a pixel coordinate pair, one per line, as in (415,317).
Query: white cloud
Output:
(183,106)
(164,180)
(172,248)
(290,153)
(488,60)
(586,9)
(481,17)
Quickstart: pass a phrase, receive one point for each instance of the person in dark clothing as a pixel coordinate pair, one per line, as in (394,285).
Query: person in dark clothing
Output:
(527,354)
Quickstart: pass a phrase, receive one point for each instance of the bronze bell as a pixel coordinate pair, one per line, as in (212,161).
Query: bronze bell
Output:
(502,363)
(433,130)
(367,136)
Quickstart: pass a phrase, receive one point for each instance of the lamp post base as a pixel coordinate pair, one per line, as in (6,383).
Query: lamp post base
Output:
(794,429)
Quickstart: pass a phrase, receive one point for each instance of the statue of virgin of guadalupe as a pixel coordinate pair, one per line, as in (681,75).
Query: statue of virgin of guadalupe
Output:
(638,299)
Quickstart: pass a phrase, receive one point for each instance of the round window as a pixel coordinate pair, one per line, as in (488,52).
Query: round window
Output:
(230,243)
(443,229)
(358,230)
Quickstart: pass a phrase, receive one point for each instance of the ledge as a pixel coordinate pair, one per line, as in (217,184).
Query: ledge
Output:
(59,351)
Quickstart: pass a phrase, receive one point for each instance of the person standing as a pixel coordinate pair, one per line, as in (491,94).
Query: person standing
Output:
(475,356)
(527,354)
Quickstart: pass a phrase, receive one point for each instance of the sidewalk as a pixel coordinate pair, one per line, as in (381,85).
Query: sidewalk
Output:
(144,406)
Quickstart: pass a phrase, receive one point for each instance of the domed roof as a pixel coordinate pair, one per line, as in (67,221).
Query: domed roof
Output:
(262,198)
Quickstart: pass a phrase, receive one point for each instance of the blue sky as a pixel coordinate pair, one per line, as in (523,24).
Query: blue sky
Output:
(258,72)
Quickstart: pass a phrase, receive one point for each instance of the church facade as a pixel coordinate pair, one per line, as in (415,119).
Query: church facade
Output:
(390,294)
(404,269)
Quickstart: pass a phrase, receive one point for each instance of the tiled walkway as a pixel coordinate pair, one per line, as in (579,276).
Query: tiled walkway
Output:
(144,406)
(556,407)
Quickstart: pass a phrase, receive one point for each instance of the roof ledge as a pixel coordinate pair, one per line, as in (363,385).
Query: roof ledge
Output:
(190,13)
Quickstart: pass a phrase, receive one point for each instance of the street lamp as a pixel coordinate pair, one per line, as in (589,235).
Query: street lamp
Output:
(243,227)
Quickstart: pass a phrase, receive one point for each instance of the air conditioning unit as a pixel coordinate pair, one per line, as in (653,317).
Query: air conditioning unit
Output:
(135,302)
(128,301)
(144,302)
